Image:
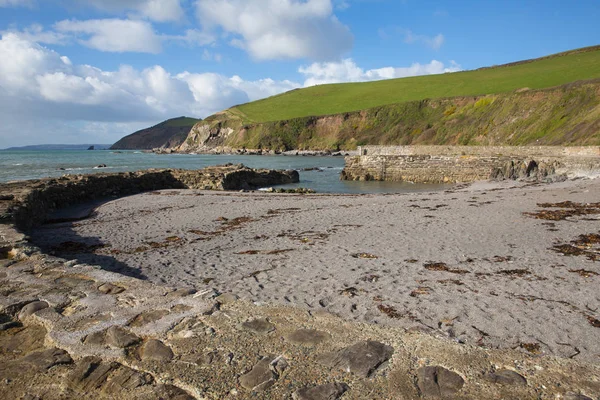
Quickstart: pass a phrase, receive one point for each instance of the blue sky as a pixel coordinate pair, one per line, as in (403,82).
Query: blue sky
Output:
(91,71)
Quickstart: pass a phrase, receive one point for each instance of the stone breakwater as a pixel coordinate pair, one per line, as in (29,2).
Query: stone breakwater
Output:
(70,330)
(29,202)
(451,164)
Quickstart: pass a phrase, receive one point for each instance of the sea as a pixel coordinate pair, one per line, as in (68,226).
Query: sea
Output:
(320,173)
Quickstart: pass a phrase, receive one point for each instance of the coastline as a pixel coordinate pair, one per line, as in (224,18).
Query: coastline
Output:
(357,252)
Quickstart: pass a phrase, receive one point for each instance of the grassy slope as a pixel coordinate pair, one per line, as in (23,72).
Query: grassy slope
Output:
(171,133)
(546,72)
(565,115)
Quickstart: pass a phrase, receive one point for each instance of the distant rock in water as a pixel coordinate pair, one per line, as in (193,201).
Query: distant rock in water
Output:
(91,148)
(170,133)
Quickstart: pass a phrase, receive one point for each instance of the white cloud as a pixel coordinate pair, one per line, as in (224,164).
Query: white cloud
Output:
(42,87)
(347,71)
(114,35)
(156,10)
(279,29)
(36,33)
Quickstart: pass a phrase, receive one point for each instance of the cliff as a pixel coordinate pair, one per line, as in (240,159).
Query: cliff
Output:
(563,115)
(170,133)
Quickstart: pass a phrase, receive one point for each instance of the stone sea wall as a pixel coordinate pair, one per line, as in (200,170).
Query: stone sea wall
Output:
(28,203)
(451,164)
(70,330)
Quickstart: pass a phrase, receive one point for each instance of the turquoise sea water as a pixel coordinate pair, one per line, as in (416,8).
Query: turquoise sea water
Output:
(22,165)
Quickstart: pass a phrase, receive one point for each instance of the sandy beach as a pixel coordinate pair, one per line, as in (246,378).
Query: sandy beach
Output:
(481,264)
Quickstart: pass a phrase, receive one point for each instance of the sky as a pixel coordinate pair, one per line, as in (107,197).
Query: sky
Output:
(92,71)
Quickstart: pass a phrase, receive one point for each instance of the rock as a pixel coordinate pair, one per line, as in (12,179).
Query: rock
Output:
(576,396)
(148,317)
(100,166)
(226,298)
(182,292)
(109,288)
(264,374)
(96,338)
(125,379)
(505,377)
(330,391)
(308,337)
(361,358)
(172,393)
(155,350)
(438,381)
(48,358)
(89,374)
(120,338)
(259,326)
(32,308)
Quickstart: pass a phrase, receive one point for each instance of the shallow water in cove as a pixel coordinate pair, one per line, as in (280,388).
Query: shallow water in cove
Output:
(22,165)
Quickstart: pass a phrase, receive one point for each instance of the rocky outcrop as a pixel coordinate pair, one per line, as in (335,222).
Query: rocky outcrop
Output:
(167,134)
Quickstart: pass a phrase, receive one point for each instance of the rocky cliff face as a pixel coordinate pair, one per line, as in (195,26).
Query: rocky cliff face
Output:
(167,134)
(565,115)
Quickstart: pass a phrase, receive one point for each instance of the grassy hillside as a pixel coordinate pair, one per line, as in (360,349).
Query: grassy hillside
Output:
(564,115)
(555,70)
(169,133)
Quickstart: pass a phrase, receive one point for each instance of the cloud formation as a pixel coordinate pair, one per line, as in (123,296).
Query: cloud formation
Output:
(42,91)
(347,71)
(279,29)
(114,35)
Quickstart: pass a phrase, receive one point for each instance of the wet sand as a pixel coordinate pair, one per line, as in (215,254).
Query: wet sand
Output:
(467,263)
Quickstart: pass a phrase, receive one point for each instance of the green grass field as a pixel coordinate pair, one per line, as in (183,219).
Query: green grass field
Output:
(541,73)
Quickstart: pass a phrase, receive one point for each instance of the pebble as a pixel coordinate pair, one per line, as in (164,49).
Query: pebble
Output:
(32,308)
(330,391)
(436,381)
(259,326)
(505,377)
(155,350)
(361,358)
(109,288)
(120,338)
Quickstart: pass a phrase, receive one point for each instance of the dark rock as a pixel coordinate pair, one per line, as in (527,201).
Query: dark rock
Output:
(125,378)
(438,381)
(226,298)
(308,337)
(172,393)
(576,396)
(7,197)
(48,358)
(259,326)
(100,166)
(155,350)
(182,292)
(96,338)
(264,374)
(505,377)
(89,374)
(120,338)
(109,288)
(32,308)
(361,358)
(148,317)
(330,391)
